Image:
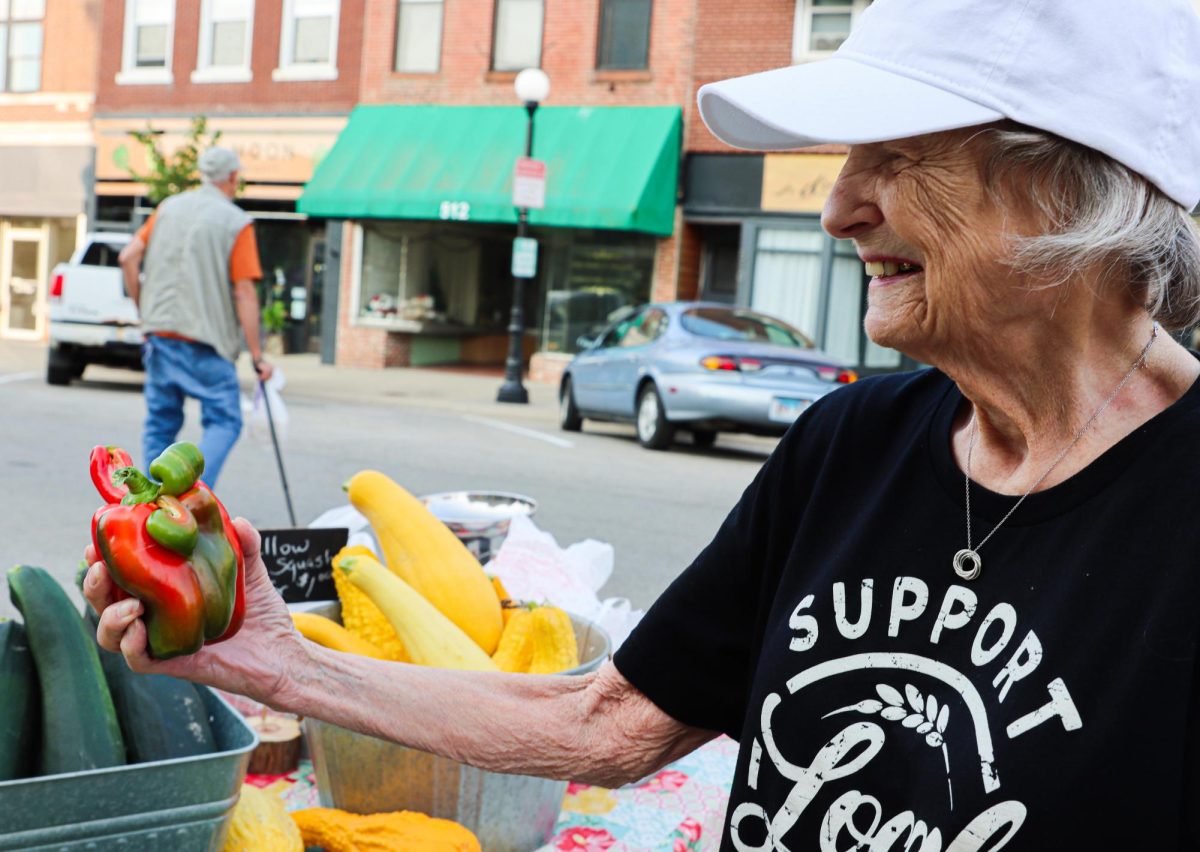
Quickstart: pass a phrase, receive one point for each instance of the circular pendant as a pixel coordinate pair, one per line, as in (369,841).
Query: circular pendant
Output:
(961,560)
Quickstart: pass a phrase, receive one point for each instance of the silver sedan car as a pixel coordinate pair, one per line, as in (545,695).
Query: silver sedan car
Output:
(698,366)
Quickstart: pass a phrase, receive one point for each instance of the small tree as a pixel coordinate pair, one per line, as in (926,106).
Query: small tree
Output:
(175,172)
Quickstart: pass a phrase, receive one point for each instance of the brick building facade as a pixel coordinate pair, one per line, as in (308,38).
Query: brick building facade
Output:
(47,80)
(276,78)
(745,225)
(286,81)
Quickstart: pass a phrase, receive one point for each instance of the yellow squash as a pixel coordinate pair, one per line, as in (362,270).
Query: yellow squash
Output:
(332,635)
(260,824)
(340,831)
(537,640)
(430,638)
(506,604)
(554,647)
(361,617)
(515,652)
(428,556)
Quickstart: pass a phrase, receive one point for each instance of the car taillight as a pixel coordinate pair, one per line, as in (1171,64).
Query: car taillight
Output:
(731,363)
(837,374)
(56,286)
(719,362)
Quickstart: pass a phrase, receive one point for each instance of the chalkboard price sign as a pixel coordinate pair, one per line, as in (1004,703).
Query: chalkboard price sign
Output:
(300,561)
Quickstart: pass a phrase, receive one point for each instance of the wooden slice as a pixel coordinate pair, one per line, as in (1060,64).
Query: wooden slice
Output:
(278,749)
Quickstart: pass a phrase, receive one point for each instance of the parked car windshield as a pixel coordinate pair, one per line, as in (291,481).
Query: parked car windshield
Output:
(734,324)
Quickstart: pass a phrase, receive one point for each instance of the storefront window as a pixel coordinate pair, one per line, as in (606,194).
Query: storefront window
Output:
(816,284)
(594,276)
(430,276)
(426,272)
(787,277)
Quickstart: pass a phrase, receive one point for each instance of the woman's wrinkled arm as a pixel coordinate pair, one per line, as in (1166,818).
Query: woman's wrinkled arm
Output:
(595,728)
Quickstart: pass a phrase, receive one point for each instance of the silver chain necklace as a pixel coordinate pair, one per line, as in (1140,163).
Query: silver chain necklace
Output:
(970,554)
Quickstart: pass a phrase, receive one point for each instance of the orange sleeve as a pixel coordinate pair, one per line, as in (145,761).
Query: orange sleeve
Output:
(243,260)
(143,233)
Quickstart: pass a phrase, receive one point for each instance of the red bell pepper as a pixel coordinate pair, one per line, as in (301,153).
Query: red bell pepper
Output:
(179,555)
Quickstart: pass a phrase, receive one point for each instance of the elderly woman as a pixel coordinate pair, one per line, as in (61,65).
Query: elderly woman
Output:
(957,608)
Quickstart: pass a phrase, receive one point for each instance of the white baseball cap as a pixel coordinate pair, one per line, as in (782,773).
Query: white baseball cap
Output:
(1119,76)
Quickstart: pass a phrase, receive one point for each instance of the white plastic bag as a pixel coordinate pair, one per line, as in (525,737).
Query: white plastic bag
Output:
(533,567)
(352,519)
(254,410)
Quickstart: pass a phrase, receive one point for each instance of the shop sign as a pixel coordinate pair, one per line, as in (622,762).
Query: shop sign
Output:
(524,257)
(456,211)
(799,183)
(300,561)
(282,150)
(529,183)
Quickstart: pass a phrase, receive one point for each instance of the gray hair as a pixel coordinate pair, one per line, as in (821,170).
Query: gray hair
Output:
(1098,210)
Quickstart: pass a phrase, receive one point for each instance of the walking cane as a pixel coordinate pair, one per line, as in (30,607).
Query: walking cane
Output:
(262,386)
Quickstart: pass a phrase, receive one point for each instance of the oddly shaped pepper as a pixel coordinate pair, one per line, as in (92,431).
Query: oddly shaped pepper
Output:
(178,468)
(178,553)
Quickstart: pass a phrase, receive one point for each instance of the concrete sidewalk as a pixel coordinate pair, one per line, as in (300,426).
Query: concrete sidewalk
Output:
(460,390)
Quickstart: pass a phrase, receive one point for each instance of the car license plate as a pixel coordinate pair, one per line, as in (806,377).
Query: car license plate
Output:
(786,410)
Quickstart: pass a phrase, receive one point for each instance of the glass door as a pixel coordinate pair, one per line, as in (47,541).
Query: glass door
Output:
(22,283)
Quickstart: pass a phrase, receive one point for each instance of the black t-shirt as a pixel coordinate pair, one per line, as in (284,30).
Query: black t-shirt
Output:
(1047,705)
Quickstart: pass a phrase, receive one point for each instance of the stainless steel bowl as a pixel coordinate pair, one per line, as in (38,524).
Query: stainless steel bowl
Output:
(508,813)
(480,519)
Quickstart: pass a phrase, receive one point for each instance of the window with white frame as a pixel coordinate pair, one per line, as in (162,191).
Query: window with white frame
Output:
(518,36)
(308,43)
(418,36)
(225,37)
(149,33)
(822,26)
(21,45)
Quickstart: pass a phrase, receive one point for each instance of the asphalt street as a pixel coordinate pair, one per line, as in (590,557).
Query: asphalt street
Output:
(657,509)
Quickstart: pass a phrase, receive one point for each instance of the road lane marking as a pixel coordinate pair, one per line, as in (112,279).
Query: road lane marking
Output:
(520,430)
(17,377)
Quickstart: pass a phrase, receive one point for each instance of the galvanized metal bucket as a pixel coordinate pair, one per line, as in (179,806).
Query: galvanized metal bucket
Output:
(183,804)
(508,813)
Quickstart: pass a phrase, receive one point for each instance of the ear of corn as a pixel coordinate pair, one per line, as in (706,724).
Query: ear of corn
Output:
(424,553)
(430,638)
(360,616)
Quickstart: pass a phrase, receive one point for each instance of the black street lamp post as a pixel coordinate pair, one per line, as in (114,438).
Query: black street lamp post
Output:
(532,86)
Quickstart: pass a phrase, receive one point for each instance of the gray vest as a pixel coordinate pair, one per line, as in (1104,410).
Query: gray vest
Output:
(186,287)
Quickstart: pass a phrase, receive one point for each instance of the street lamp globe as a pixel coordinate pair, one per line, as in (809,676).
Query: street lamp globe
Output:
(532,86)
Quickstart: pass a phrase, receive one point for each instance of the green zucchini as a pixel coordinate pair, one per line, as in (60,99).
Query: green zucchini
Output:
(79,722)
(161,717)
(18,702)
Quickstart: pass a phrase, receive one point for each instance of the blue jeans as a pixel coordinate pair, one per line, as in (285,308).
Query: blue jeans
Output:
(175,370)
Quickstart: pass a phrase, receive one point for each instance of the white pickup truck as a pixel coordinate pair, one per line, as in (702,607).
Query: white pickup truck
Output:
(92,319)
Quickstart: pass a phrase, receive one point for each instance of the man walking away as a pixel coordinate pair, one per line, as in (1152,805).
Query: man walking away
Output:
(197,300)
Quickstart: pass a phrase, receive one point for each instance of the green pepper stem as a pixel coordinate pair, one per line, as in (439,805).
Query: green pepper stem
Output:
(141,488)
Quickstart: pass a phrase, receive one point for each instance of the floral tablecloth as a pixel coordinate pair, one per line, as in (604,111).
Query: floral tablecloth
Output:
(680,809)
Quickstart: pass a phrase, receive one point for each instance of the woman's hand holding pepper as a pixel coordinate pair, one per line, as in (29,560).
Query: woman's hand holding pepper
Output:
(259,661)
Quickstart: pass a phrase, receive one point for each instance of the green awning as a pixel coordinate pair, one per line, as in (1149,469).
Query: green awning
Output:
(606,167)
